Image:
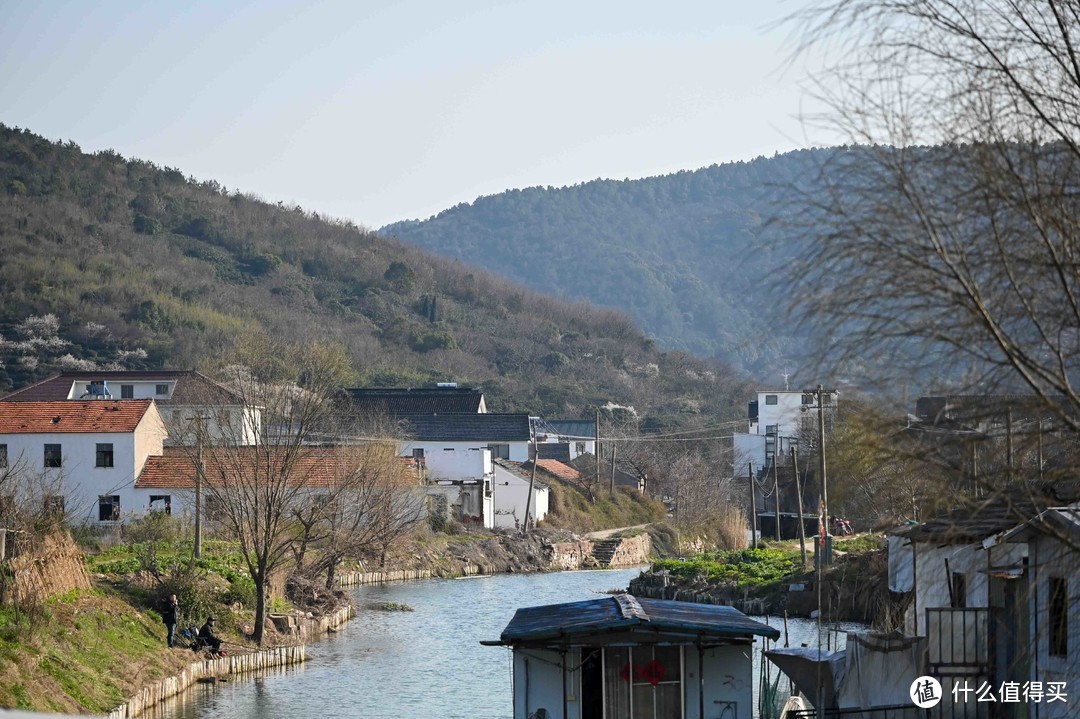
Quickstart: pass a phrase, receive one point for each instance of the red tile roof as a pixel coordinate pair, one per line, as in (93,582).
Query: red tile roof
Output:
(557,468)
(72,416)
(315,467)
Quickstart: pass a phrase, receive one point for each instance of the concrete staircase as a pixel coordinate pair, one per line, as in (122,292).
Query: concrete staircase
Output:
(603,551)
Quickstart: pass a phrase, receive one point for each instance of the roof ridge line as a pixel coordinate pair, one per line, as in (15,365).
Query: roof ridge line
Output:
(630,608)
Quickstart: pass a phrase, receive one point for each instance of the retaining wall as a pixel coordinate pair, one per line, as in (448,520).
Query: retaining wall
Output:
(355,579)
(161,690)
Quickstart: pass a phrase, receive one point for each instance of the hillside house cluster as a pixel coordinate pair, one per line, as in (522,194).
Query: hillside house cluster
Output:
(105,446)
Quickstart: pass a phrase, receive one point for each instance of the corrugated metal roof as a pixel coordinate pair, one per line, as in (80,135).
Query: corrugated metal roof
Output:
(624,611)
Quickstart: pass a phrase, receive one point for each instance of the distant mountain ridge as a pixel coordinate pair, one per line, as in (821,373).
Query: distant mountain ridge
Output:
(695,257)
(109,262)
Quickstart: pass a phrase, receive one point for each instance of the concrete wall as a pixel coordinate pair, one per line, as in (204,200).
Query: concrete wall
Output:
(511,494)
(1052,558)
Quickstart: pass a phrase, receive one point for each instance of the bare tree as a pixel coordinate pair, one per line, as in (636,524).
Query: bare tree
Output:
(961,259)
(262,468)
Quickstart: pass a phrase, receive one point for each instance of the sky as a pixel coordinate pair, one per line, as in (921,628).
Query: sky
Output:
(378,111)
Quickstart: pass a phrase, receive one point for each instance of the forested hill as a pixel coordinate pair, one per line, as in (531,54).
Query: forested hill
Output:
(109,262)
(694,257)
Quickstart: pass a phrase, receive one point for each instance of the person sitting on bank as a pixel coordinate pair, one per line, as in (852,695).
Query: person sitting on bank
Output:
(169,609)
(207,637)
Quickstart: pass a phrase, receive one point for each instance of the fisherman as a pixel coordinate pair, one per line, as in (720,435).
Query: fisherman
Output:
(170,608)
(207,637)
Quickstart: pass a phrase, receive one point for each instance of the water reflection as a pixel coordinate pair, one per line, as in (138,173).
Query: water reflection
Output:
(410,665)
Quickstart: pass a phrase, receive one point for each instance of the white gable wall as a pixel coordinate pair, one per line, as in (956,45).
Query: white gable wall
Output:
(511,494)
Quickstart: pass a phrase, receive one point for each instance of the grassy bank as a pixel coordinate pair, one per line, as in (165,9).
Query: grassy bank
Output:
(81,652)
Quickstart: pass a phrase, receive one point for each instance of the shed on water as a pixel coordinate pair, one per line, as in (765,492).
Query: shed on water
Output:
(624,657)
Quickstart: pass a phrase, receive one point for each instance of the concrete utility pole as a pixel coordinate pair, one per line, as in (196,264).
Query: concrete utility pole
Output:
(776,483)
(753,506)
(596,449)
(200,470)
(824,550)
(798,493)
(611,489)
(532,482)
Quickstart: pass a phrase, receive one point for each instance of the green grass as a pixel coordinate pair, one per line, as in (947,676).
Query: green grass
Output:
(861,544)
(755,568)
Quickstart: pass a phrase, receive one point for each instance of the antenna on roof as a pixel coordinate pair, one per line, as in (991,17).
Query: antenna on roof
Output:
(785,375)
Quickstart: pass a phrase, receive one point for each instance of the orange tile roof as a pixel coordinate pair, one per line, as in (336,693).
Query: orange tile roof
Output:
(557,468)
(72,416)
(315,467)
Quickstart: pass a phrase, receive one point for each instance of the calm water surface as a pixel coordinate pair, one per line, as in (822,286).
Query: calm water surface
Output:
(423,664)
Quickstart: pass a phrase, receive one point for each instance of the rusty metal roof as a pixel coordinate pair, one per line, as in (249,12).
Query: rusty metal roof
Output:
(626,612)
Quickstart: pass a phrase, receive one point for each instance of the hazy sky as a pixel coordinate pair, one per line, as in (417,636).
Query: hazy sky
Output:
(381,111)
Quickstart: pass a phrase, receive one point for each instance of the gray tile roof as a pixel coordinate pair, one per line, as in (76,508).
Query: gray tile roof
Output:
(466,427)
(421,400)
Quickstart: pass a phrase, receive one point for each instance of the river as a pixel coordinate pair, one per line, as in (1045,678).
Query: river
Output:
(427,663)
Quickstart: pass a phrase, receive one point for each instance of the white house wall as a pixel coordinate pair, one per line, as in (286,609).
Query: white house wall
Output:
(728,672)
(78,480)
(1052,558)
(932,578)
(233,423)
(434,452)
(511,494)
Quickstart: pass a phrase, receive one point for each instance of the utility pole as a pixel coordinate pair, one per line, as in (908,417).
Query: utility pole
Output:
(532,481)
(1008,443)
(776,483)
(825,544)
(596,449)
(611,489)
(753,506)
(1040,448)
(200,470)
(798,493)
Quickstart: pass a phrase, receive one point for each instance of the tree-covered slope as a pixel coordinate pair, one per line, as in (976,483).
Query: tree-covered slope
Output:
(115,262)
(696,258)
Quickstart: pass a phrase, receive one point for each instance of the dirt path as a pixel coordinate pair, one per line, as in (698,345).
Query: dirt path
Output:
(605,533)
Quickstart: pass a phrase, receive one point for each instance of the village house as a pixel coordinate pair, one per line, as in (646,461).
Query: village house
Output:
(185,399)
(512,482)
(444,398)
(988,582)
(624,656)
(83,457)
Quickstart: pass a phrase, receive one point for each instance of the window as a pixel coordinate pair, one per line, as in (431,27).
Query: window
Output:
(773,429)
(3,455)
(127,391)
(579,447)
(418,453)
(108,508)
(161,503)
(104,455)
(808,398)
(959,590)
(631,682)
(1059,616)
(770,399)
(53,456)
(499,451)
(161,390)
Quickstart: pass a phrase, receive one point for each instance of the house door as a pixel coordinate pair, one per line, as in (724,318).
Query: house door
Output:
(639,682)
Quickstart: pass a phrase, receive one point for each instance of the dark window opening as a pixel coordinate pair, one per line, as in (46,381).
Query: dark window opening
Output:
(959,590)
(1059,616)
(161,389)
(771,399)
(3,455)
(53,456)
(104,456)
(418,453)
(579,447)
(108,508)
(127,391)
(161,503)
(499,451)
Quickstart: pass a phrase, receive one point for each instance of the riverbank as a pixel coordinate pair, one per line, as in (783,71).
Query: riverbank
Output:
(773,580)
